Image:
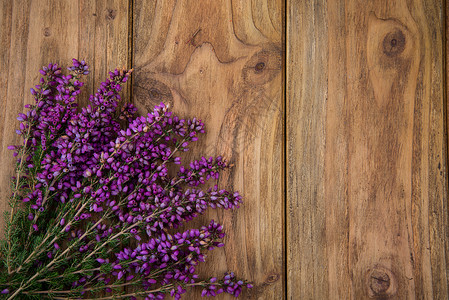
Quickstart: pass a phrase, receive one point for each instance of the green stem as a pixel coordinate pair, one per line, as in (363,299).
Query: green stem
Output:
(76,272)
(30,232)
(164,288)
(38,250)
(13,204)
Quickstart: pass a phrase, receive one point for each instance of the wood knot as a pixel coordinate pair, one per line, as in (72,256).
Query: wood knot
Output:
(394,43)
(154,94)
(380,282)
(111,14)
(47,31)
(263,66)
(259,66)
(149,92)
(272,278)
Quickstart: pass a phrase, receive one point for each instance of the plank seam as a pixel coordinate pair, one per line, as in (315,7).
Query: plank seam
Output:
(285,158)
(445,68)
(131,46)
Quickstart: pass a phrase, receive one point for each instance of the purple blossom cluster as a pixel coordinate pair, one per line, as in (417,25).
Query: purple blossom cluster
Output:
(91,187)
(168,260)
(229,284)
(202,170)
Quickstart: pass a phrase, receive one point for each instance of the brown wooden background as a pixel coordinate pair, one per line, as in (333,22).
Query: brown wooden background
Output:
(333,112)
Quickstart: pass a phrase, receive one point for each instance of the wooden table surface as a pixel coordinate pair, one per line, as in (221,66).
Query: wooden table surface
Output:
(333,113)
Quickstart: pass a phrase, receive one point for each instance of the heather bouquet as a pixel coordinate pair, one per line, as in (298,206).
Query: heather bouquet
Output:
(98,195)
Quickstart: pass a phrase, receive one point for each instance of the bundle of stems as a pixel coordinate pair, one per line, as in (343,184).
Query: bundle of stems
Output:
(98,195)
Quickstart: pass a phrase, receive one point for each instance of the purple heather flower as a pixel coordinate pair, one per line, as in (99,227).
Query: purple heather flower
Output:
(100,260)
(22,117)
(95,166)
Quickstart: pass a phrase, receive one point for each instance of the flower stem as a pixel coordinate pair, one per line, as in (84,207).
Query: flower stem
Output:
(13,198)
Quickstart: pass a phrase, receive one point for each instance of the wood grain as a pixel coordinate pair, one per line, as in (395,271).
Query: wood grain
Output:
(367,151)
(306,98)
(366,204)
(221,61)
(35,33)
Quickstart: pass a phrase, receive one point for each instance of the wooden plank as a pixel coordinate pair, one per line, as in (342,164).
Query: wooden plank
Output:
(220,61)
(367,150)
(306,80)
(35,33)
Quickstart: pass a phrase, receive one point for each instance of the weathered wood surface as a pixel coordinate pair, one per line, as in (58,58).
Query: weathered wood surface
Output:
(367,190)
(221,61)
(365,139)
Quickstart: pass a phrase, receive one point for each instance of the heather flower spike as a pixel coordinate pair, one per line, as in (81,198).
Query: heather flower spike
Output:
(96,204)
